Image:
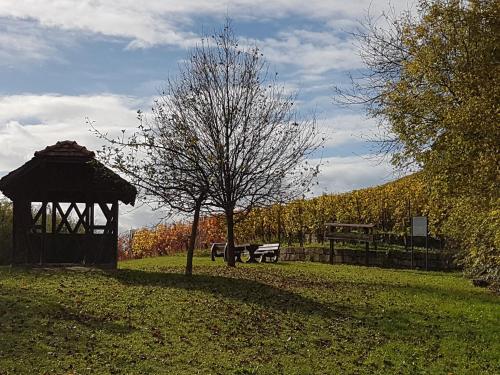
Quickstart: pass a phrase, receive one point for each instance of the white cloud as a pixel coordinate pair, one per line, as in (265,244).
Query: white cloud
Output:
(341,174)
(153,21)
(145,24)
(43,25)
(343,129)
(21,42)
(32,30)
(15,47)
(31,122)
(314,52)
(139,216)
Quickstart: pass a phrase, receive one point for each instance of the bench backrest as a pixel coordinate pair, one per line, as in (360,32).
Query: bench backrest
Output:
(346,232)
(218,246)
(269,247)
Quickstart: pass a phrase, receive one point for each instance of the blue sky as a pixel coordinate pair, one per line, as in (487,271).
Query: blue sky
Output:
(64,61)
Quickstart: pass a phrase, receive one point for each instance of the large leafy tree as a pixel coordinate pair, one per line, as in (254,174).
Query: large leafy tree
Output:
(432,80)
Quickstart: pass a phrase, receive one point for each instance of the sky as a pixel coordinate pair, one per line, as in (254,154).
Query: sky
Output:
(63,62)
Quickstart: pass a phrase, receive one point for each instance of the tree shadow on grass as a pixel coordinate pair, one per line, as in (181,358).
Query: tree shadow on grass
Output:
(22,326)
(281,296)
(236,289)
(389,322)
(392,321)
(25,306)
(38,329)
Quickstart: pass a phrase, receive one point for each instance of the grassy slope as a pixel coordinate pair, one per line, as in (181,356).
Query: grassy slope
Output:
(291,318)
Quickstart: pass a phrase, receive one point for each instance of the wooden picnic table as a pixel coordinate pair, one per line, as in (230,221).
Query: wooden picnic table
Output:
(350,232)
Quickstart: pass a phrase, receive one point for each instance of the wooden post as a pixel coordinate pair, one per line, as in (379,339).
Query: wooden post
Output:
(426,254)
(44,217)
(87,218)
(91,227)
(330,229)
(54,222)
(114,211)
(44,231)
(367,247)
(332,250)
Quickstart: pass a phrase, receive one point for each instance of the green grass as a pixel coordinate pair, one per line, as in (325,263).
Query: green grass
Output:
(288,318)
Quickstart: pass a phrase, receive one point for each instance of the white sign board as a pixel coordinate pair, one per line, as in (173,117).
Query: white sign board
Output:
(419,226)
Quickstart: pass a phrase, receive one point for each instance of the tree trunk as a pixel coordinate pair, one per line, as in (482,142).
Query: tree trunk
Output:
(192,239)
(230,239)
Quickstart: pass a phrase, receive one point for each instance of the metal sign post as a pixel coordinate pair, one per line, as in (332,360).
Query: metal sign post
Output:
(411,243)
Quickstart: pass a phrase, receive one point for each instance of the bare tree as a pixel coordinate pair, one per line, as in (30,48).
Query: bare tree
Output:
(243,128)
(223,135)
(159,160)
(382,49)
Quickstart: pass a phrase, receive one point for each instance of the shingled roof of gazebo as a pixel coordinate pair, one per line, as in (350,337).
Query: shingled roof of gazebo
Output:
(65,149)
(66,171)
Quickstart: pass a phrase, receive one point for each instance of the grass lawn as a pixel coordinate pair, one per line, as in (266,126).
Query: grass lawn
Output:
(287,318)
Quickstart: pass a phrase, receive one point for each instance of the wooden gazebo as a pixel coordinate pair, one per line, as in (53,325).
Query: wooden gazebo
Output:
(65,206)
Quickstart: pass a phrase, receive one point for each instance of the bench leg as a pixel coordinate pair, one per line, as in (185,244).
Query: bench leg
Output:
(252,259)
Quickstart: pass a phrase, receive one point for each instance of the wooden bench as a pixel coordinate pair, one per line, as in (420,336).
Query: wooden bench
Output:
(220,250)
(270,250)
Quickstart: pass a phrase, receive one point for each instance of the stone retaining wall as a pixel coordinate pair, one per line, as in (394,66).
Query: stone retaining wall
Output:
(390,259)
